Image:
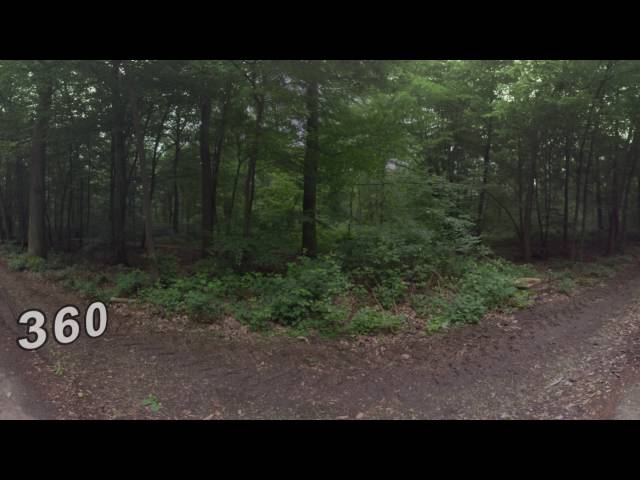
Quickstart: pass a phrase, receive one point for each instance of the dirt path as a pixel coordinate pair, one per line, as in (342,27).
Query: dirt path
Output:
(10,405)
(629,406)
(567,357)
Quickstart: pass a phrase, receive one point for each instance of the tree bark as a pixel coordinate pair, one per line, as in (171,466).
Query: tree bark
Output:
(311,160)
(217,151)
(206,175)
(485,179)
(567,176)
(585,198)
(146,182)
(119,168)
(249,185)
(176,159)
(232,201)
(37,230)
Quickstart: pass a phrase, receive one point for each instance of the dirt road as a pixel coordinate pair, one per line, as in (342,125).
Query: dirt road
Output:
(565,358)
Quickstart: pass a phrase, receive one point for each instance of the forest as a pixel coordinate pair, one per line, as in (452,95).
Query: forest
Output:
(331,196)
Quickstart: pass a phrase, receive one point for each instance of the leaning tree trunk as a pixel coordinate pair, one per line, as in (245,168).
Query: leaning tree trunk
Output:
(37,232)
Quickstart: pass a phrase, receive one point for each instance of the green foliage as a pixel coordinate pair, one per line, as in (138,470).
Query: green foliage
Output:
(17,262)
(198,296)
(128,283)
(36,264)
(595,270)
(408,151)
(390,292)
(305,292)
(566,285)
(617,261)
(92,285)
(266,252)
(203,305)
(485,286)
(168,267)
(58,369)
(23,261)
(152,403)
(369,321)
(566,276)
(253,313)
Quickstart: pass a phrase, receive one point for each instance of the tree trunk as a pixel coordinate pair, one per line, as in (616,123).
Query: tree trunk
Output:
(119,169)
(22,202)
(176,159)
(229,209)
(154,161)
(37,231)
(217,151)
(311,159)
(567,176)
(585,198)
(485,179)
(206,175)
(249,185)
(599,209)
(614,218)
(146,183)
(630,174)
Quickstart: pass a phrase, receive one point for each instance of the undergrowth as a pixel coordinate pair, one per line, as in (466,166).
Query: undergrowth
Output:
(361,289)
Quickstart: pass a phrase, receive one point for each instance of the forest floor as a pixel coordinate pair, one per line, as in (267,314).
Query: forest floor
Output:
(566,357)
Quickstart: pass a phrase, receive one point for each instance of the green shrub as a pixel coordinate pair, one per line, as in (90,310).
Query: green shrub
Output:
(17,262)
(596,270)
(130,282)
(198,296)
(202,306)
(306,291)
(485,286)
(254,314)
(23,261)
(390,292)
(267,252)
(369,321)
(425,305)
(36,264)
(168,298)
(566,285)
(387,260)
(617,260)
(167,267)
(90,286)
(305,294)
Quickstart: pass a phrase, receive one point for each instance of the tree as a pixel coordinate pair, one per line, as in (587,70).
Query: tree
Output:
(37,229)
